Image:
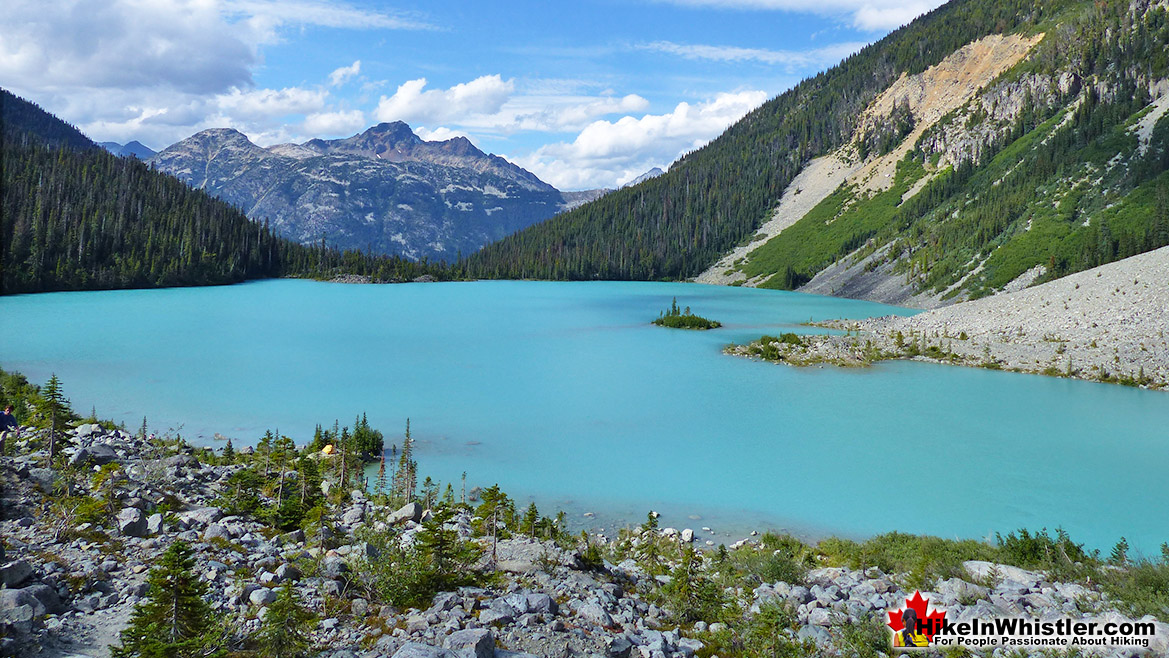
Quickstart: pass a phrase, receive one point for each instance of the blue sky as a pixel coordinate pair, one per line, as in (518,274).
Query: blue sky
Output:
(585,94)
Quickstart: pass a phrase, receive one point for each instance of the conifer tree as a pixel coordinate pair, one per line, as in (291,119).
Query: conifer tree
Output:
(284,632)
(406,479)
(55,409)
(175,620)
(380,486)
(229,453)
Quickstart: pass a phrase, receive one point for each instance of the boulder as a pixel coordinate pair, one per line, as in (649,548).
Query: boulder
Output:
(287,572)
(335,567)
(471,643)
(46,596)
(215,530)
(154,524)
(15,573)
(97,454)
(408,512)
(594,614)
(353,515)
(416,650)
(44,478)
(131,522)
(262,596)
(201,516)
(687,535)
(542,603)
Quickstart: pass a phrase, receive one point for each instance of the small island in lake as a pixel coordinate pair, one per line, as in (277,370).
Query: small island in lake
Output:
(679,319)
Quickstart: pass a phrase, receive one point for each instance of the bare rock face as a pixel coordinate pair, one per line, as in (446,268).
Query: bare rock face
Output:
(384,189)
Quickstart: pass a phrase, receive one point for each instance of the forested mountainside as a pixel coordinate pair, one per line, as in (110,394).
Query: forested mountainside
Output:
(384,190)
(1071,113)
(78,217)
(23,122)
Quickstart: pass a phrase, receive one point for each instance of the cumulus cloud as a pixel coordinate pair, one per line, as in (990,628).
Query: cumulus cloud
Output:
(607,153)
(818,57)
(871,15)
(413,102)
(344,74)
(122,45)
(439,134)
(334,124)
(159,70)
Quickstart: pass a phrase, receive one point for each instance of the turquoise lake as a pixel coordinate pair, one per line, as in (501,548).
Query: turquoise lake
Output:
(563,393)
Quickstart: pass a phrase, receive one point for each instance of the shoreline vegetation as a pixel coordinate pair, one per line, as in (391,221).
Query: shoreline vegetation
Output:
(676,318)
(861,348)
(109,535)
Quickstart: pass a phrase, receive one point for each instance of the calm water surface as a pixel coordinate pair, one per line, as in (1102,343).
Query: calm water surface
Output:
(563,393)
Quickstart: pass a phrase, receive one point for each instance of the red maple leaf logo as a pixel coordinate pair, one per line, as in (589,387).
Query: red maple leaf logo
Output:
(931,622)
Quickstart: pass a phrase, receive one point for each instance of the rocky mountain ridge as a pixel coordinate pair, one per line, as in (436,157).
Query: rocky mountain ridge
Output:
(384,190)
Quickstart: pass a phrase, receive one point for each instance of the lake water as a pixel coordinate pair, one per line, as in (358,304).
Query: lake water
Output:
(565,394)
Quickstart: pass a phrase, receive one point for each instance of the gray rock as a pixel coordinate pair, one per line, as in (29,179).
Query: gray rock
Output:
(359,607)
(154,524)
(46,595)
(501,616)
(15,573)
(416,650)
(335,567)
(354,515)
(408,512)
(619,646)
(542,603)
(471,643)
(262,596)
(287,572)
(131,522)
(97,454)
(594,613)
(817,634)
(820,617)
(201,516)
(44,478)
(215,530)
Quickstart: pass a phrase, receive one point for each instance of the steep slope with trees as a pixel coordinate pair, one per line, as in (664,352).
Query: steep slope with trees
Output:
(986,146)
(676,225)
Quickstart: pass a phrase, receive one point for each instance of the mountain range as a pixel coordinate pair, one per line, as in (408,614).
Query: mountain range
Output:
(384,190)
(133,148)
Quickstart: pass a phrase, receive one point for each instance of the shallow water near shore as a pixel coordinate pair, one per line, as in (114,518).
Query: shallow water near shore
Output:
(565,394)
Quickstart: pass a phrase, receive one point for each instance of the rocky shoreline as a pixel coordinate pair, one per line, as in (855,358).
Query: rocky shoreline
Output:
(69,588)
(1108,324)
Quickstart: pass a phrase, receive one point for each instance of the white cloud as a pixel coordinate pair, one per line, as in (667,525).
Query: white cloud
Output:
(607,153)
(439,134)
(410,103)
(819,57)
(573,113)
(264,103)
(873,15)
(344,74)
(341,123)
(160,70)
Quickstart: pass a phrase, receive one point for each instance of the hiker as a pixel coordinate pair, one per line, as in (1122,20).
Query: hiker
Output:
(910,636)
(8,426)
